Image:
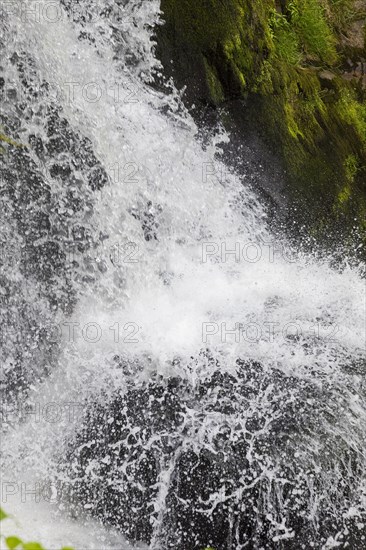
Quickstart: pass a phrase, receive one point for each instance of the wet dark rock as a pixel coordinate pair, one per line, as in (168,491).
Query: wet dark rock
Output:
(236,461)
(62,171)
(36,144)
(97,178)
(46,196)
(148,216)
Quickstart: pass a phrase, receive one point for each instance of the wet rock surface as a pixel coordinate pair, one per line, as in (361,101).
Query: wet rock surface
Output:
(256,460)
(47,179)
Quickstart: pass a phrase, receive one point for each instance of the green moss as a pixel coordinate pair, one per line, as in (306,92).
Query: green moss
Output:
(285,39)
(214,84)
(352,112)
(302,33)
(230,37)
(285,59)
(310,23)
(351,165)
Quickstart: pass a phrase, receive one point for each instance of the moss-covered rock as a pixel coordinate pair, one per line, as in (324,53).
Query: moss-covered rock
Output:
(299,66)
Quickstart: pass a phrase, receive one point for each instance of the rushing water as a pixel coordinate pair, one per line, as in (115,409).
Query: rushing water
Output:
(169,366)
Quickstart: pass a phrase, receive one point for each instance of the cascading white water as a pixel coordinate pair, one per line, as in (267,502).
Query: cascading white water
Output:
(164,282)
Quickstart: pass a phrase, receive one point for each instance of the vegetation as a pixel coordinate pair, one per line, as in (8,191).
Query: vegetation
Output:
(15,543)
(290,61)
(6,139)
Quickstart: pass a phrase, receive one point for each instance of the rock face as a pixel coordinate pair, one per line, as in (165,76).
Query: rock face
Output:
(48,173)
(298,70)
(251,459)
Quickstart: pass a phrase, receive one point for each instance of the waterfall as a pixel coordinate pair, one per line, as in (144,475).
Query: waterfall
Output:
(173,373)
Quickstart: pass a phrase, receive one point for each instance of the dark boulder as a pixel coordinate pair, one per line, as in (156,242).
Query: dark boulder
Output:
(249,459)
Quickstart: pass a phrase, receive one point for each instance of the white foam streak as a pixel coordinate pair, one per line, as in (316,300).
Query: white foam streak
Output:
(178,303)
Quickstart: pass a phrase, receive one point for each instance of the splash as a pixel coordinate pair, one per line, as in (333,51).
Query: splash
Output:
(171,368)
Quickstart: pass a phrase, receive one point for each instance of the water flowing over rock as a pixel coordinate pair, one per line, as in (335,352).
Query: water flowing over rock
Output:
(176,374)
(238,459)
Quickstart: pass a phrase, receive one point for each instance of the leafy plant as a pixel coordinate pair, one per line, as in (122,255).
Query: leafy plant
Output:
(302,33)
(6,139)
(285,38)
(15,543)
(3,515)
(309,19)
